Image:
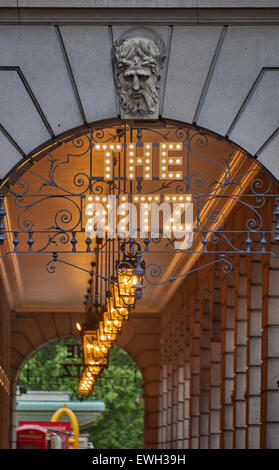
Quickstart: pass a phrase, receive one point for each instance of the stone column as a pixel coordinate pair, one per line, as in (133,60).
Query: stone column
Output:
(169,383)
(174,389)
(5,371)
(205,370)
(253,374)
(163,387)
(239,395)
(164,406)
(140,338)
(195,372)
(187,376)
(180,391)
(227,360)
(270,353)
(215,365)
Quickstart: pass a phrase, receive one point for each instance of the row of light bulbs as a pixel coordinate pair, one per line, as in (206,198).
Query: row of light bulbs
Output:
(145,161)
(99,337)
(94,209)
(183,198)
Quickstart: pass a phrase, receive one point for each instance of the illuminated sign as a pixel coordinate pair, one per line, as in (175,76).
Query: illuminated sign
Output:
(141,156)
(140,215)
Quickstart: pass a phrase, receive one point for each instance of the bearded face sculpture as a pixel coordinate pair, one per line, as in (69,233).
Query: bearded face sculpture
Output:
(138,62)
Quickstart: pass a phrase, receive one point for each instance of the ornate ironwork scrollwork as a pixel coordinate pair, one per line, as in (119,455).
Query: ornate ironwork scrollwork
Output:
(48,202)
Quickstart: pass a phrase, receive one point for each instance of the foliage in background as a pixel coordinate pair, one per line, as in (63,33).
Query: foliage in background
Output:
(121,424)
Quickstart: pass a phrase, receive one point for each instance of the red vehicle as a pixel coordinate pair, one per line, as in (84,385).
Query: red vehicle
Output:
(43,435)
(31,437)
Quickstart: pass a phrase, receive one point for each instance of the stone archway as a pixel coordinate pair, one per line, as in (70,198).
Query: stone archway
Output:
(221,76)
(141,337)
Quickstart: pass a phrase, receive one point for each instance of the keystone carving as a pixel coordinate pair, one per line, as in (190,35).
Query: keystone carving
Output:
(138,61)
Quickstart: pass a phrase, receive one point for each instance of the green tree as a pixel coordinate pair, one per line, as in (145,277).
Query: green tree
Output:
(43,371)
(120,387)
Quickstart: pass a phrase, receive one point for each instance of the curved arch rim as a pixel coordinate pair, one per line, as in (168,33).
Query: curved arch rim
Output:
(55,340)
(39,152)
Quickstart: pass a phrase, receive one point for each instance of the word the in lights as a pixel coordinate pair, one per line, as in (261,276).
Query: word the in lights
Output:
(141,156)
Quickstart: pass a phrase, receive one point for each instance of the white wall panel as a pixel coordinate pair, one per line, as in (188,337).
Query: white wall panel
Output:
(260,117)
(18,114)
(191,54)
(36,50)
(8,155)
(89,52)
(220,80)
(269,157)
(244,52)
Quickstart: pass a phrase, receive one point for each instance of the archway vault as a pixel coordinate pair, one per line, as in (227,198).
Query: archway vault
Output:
(44,311)
(222,79)
(139,338)
(44,209)
(33,330)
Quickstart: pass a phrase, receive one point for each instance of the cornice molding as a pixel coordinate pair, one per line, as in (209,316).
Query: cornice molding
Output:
(135,15)
(142,3)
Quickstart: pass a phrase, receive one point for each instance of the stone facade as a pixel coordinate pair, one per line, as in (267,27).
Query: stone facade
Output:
(222,393)
(5,376)
(210,366)
(219,73)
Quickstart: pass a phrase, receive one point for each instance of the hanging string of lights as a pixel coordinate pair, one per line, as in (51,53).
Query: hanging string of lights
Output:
(114,287)
(108,310)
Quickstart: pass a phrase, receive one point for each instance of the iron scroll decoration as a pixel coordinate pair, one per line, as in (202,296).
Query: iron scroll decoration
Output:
(63,201)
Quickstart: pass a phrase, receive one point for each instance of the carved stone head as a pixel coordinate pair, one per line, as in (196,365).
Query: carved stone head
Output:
(138,62)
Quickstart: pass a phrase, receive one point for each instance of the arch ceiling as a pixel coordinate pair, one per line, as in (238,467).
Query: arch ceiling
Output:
(48,203)
(56,78)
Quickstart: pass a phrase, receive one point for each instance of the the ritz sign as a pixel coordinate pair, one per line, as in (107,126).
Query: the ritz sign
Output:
(140,215)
